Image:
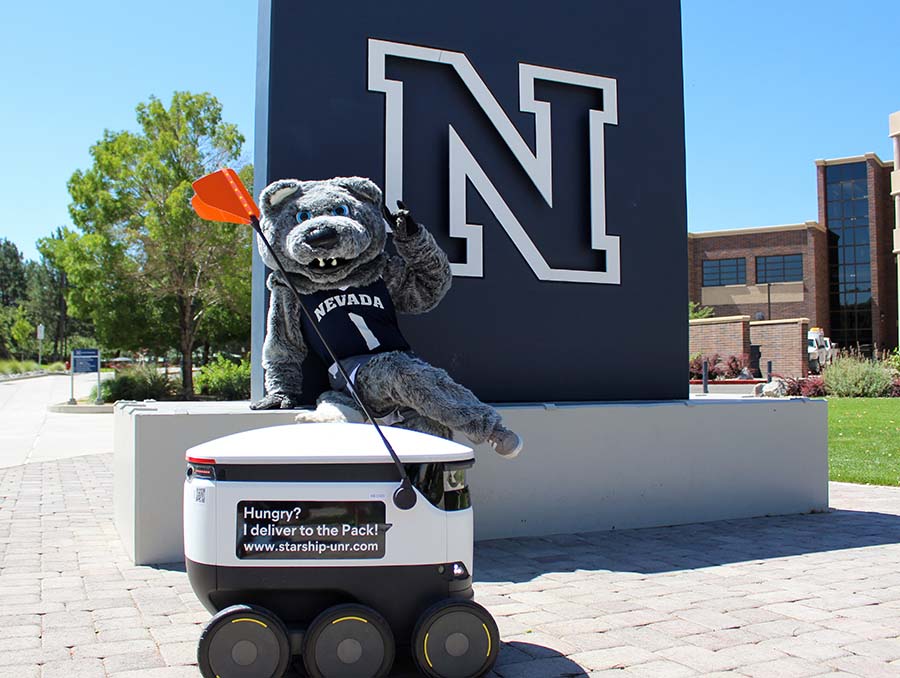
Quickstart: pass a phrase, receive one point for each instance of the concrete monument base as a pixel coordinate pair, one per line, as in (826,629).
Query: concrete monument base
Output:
(584,467)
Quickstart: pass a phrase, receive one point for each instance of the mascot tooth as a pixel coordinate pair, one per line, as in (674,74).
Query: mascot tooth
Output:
(330,236)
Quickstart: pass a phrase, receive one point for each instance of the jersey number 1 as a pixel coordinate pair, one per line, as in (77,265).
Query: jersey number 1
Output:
(371,340)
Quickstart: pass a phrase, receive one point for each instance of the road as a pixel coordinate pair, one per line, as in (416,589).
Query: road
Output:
(29,433)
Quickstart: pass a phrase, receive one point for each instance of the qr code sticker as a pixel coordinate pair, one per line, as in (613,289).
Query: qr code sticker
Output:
(200,495)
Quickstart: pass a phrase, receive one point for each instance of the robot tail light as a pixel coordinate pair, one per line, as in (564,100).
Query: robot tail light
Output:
(201,460)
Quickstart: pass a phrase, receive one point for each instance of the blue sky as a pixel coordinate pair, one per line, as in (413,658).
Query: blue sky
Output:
(769,87)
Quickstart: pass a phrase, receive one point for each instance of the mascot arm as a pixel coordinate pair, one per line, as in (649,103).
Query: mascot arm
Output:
(283,351)
(420,276)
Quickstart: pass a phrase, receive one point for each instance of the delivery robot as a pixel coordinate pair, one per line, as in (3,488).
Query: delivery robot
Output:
(299,540)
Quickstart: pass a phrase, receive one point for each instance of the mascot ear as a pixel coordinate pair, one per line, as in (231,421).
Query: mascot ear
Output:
(277,192)
(363,189)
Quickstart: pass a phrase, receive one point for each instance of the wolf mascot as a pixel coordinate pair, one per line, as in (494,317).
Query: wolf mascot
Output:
(330,236)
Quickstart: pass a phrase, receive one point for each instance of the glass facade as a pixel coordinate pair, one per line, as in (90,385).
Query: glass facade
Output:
(719,272)
(781,268)
(849,259)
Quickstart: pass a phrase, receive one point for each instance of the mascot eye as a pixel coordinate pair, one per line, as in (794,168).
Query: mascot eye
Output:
(341,211)
(303,216)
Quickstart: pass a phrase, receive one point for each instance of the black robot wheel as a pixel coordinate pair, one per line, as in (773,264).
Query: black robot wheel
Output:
(348,641)
(455,639)
(244,641)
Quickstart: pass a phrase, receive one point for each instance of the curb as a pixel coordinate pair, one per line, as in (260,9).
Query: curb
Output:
(730,382)
(65,408)
(32,375)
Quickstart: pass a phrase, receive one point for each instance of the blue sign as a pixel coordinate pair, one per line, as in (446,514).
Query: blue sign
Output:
(85,360)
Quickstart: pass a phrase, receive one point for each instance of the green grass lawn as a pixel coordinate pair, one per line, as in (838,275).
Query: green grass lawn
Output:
(864,440)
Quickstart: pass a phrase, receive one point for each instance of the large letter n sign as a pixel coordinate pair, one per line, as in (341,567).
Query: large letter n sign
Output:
(538,164)
(542,144)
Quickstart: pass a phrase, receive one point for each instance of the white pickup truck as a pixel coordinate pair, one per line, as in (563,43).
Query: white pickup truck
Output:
(817,350)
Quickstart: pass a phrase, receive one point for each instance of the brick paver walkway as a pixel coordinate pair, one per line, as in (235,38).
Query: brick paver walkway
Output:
(809,595)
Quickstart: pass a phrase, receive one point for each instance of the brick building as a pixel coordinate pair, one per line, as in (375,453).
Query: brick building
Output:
(838,272)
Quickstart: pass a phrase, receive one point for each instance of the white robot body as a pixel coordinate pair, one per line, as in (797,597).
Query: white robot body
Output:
(298,521)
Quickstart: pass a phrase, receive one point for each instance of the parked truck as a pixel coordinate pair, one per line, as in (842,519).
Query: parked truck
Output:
(817,351)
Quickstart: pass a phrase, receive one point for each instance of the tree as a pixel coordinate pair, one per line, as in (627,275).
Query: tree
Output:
(48,286)
(7,317)
(696,311)
(22,331)
(145,264)
(12,274)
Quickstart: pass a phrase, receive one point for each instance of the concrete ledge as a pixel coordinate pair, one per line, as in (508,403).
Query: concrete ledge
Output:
(584,467)
(65,408)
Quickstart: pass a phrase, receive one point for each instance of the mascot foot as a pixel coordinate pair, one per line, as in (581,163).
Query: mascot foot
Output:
(506,443)
(275,401)
(330,413)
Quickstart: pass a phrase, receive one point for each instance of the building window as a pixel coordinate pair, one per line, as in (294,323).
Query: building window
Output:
(724,272)
(782,268)
(849,259)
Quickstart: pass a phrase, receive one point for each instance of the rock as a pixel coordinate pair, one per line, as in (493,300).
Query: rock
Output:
(775,389)
(758,390)
(745,374)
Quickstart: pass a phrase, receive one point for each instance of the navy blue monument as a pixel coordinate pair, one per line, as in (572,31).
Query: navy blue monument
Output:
(543,145)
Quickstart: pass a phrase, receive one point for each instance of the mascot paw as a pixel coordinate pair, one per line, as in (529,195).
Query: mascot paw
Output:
(275,401)
(330,413)
(506,443)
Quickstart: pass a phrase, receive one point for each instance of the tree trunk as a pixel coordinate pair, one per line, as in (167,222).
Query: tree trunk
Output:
(186,327)
(62,333)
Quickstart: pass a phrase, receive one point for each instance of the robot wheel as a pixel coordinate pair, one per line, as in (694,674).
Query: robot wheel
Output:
(348,641)
(455,639)
(244,641)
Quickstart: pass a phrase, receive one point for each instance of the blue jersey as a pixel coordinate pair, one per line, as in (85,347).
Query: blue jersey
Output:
(354,321)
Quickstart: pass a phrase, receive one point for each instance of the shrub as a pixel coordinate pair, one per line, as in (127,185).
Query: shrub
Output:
(730,368)
(137,383)
(224,379)
(696,365)
(8,367)
(893,361)
(812,387)
(856,377)
(791,384)
(895,388)
(55,367)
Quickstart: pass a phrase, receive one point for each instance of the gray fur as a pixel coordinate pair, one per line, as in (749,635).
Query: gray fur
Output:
(399,379)
(417,279)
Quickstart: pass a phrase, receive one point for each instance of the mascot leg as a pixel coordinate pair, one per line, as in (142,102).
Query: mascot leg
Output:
(416,422)
(332,407)
(400,379)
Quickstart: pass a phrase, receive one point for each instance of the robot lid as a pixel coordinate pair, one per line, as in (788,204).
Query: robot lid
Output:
(327,444)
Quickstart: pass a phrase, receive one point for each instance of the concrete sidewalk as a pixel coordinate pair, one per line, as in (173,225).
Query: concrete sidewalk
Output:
(29,433)
(809,595)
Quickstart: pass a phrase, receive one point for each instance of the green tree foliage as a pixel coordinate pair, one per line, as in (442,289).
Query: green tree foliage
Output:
(22,332)
(145,269)
(7,317)
(12,274)
(696,311)
(46,304)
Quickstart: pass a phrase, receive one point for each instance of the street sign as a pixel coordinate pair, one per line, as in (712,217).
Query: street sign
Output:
(85,360)
(40,332)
